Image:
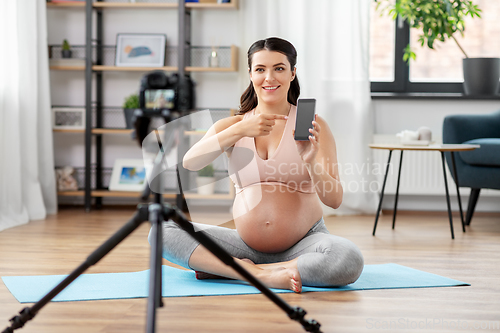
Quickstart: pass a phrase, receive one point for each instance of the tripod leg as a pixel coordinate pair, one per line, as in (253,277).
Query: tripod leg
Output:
(294,313)
(29,313)
(155,276)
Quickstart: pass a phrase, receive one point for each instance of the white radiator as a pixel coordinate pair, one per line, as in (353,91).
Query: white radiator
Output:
(421,172)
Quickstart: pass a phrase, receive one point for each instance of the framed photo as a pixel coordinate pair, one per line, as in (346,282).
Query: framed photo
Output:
(128,175)
(68,118)
(140,50)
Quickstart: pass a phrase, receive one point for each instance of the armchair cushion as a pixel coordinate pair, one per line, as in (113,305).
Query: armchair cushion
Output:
(487,155)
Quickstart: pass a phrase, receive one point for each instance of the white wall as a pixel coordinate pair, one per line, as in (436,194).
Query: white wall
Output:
(393,116)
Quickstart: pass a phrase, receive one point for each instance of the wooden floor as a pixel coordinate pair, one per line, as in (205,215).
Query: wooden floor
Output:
(422,241)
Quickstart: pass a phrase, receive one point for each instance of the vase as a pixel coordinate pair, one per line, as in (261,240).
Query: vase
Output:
(129,118)
(206,185)
(213,59)
(481,76)
(66,54)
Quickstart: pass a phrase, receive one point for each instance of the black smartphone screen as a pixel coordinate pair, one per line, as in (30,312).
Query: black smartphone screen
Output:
(305,116)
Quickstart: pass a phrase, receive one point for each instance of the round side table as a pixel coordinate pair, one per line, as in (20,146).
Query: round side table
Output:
(442,148)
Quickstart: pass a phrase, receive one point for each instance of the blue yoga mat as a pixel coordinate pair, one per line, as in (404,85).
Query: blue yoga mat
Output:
(176,283)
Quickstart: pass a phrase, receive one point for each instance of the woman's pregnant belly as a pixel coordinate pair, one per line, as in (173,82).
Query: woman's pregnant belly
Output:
(272,218)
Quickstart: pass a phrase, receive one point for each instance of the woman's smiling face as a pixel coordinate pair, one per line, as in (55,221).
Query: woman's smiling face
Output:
(271,75)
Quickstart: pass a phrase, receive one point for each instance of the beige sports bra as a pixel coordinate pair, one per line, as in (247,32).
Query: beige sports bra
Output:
(284,167)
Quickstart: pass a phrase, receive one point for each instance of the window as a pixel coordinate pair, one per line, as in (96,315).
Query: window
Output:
(438,70)
(382,37)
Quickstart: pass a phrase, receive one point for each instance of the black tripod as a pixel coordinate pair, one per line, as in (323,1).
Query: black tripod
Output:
(156,213)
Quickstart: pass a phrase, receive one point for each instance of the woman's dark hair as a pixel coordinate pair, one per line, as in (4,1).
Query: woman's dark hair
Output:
(248,100)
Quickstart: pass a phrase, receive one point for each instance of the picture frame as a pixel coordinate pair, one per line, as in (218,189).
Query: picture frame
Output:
(68,118)
(129,175)
(140,50)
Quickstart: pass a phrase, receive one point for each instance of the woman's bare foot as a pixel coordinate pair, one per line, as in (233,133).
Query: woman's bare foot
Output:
(282,278)
(272,275)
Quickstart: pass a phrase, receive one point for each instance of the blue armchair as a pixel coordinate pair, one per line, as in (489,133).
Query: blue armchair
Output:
(478,168)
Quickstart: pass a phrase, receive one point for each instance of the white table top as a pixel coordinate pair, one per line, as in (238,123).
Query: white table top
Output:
(431,147)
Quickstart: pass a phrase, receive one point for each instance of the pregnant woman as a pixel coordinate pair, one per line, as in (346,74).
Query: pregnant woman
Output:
(280,234)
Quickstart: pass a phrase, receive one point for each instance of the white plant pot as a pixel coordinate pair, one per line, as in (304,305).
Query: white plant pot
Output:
(206,185)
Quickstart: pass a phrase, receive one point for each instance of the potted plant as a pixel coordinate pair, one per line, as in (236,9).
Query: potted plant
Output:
(130,104)
(205,181)
(66,49)
(442,20)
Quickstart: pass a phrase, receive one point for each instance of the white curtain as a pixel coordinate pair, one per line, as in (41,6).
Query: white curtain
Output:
(27,180)
(332,39)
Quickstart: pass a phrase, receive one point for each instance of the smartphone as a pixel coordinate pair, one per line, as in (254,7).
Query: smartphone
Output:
(305,116)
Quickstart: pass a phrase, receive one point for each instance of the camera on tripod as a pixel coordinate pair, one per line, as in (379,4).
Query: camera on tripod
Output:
(161,95)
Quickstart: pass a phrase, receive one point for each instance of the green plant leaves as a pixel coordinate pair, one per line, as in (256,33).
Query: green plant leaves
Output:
(436,19)
(207,171)
(131,102)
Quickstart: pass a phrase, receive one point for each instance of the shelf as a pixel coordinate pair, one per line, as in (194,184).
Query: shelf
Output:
(71,193)
(60,130)
(65,4)
(111,131)
(67,68)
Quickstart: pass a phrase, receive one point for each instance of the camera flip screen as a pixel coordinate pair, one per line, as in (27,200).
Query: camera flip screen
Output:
(159,99)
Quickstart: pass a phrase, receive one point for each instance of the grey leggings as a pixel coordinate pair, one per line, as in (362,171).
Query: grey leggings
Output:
(323,259)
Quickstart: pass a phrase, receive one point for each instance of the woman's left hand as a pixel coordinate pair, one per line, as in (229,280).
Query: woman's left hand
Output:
(309,149)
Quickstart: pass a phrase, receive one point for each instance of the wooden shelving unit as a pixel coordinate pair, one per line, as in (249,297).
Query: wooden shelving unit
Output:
(95,72)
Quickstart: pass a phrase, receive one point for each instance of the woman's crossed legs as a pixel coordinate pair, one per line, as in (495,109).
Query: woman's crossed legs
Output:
(318,259)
